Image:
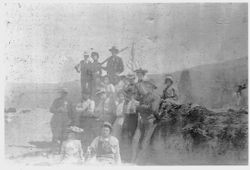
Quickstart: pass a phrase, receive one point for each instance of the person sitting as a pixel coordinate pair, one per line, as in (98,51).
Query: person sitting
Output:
(85,119)
(169,98)
(71,150)
(105,147)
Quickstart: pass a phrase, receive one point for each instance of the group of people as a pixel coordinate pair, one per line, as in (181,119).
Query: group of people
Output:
(91,69)
(119,104)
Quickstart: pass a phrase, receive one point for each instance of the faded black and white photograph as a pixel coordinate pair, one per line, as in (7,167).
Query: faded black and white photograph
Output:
(129,84)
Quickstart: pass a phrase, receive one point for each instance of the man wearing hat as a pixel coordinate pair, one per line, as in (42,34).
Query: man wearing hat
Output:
(105,147)
(140,85)
(62,116)
(114,65)
(86,74)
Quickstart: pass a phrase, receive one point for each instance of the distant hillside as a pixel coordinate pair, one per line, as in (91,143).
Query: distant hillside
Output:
(211,85)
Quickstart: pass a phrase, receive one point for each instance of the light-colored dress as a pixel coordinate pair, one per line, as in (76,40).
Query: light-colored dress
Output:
(71,152)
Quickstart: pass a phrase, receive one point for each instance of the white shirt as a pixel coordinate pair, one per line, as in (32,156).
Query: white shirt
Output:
(88,105)
(110,88)
(119,108)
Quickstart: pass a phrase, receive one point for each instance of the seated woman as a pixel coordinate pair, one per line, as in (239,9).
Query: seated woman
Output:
(105,147)
(71,150)
(169,98)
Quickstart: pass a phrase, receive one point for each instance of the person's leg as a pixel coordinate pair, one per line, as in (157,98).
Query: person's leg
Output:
(142,129)
(84,84)
(134,121)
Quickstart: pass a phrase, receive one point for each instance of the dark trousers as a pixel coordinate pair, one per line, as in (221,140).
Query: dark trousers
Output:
(86,84)
(91,128)
(129,126)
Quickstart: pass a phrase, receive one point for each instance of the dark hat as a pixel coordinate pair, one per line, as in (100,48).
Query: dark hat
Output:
(168,78)
(107,124)
(151,82)
(95,54)
(114,49)
(140,70)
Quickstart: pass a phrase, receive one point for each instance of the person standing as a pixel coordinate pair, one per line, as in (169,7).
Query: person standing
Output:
(105,147)
(62,116)
(140,86)
(114,65)
(96,70)
(86,74)
(85,119)
(117,126)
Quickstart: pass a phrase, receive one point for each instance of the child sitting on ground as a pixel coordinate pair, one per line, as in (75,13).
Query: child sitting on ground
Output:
(71,150)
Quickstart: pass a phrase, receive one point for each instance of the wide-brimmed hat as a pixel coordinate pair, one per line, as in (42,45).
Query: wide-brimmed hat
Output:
(63,90)
(168,78)
(100,91)
(140,70)
(75,129)
(95,54)
(114,49)
(130,76)
(151,82)
(107,124)
(85,53)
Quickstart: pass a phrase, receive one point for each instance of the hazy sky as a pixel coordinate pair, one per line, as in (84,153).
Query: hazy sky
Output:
(45,41)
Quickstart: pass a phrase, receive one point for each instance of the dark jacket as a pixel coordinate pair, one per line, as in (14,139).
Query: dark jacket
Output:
(114,65)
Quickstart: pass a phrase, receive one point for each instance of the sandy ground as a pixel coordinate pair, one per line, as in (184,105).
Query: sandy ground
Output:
(28,135)
(27,139)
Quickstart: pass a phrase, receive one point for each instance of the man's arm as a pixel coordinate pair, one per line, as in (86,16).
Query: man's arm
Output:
(77,67)
(91,108)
